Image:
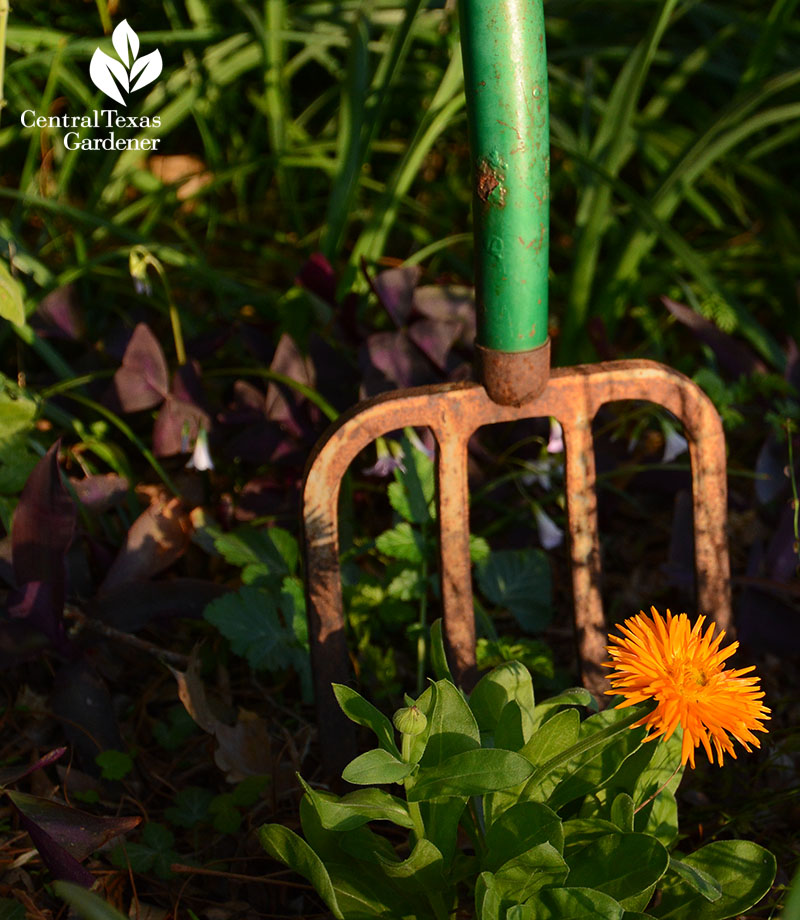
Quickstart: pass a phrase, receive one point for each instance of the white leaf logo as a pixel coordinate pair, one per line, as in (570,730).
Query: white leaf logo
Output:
(109,74)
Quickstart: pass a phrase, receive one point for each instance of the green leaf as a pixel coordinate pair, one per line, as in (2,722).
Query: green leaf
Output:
(622,812)
(521,912)
(696,878)
(190,808)
(422,871)
(438,655)
(402,542)
(259,552)
(519,580)
(605,741)
(293,607)
(285,846)
(487,897)
(408,585)
(362,712)
(580,831)
(744,872)
(412,492)
(12,304)
(441,818)
(86,903)
(153,854)
(620,865)
(574,904)
(512,730)
(555,736)
(376,767)
(520,828)
(249,621)
(17,413)
(362,895)
(114,765)
(225,815)
(334,846)
(509,681)
(357,808)
(472,772)
(575,696)
(523,875)
(452,728)
(479,549)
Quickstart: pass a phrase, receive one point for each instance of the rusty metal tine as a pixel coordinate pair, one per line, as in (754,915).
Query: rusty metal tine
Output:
(703,429)
(453,412)
(590,625)
(455,570)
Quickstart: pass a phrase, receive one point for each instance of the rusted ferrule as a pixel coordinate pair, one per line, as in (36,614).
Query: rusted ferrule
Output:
(512,378)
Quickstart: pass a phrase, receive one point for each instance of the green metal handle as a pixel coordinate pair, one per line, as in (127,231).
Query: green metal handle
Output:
(505,74)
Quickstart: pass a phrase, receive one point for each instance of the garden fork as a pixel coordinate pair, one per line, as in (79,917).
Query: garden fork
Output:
(507,105)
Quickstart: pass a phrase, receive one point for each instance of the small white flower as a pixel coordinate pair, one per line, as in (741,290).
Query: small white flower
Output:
(550,534)
(674,445)
(201,457)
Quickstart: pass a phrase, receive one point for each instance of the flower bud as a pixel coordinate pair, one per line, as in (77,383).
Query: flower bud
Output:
(410,720)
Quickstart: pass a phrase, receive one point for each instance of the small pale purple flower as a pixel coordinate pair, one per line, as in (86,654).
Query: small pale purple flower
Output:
(555,444)
(550,534)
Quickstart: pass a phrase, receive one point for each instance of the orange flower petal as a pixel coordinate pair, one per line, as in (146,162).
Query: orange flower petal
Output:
(682,669)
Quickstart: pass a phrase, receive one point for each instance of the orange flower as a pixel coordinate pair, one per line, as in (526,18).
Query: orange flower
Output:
(684,672)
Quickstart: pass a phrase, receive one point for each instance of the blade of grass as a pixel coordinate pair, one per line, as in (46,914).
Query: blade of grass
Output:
(350,143)
(608,149)
(763,55)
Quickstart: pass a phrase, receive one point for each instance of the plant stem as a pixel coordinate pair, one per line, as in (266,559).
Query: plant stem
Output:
(4,8)
(793,479)
(423,616)
(658,791)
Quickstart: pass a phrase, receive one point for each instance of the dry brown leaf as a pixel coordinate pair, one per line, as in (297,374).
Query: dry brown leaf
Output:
(243,749)
(156,539)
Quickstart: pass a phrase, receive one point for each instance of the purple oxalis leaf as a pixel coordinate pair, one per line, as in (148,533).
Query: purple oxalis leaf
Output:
(400,362)
(10,775)
(44,522)
(176,427)
(37,604)
(78,832)
(282,403)
(60,314)
(317,276)
(435,339)
(734,356)
(143,380)
(448,303)
(395,290)
(60,863)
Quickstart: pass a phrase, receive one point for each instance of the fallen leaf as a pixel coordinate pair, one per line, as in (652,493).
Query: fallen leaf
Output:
(243,749)
(156,539)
